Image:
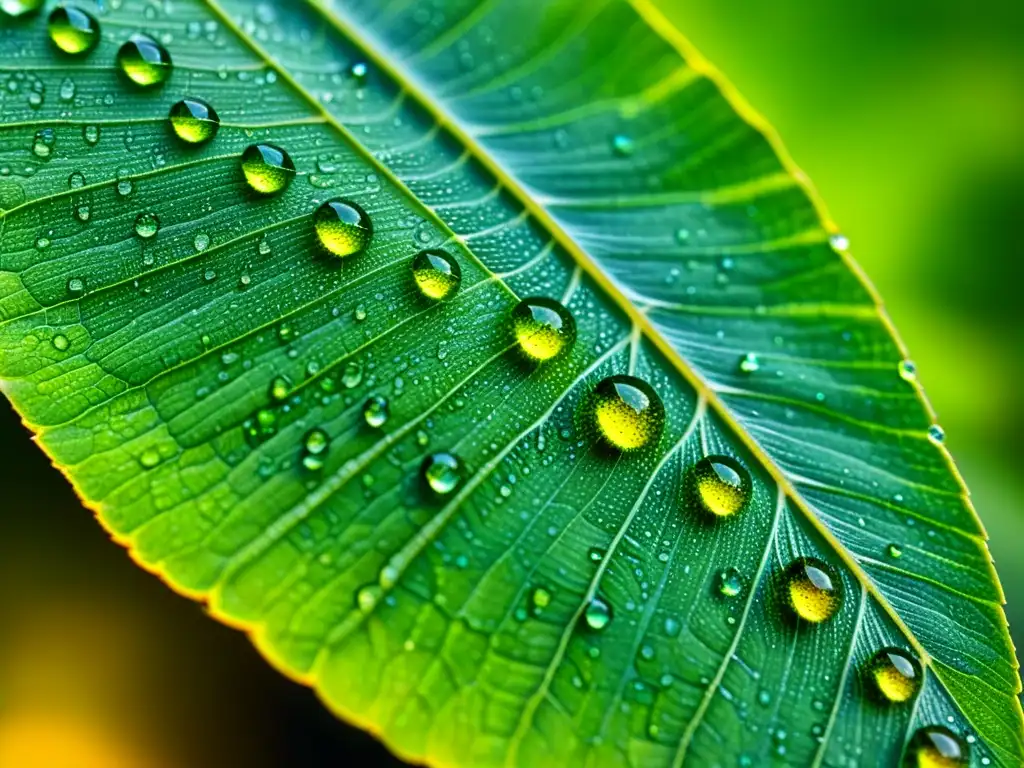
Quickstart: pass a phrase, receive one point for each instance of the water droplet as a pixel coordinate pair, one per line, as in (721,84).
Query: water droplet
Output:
(315,445)
(17,8)
(150,458)
(144,61)
(194,121)
(722,485)
(543,328)
(595,554)
(894,551)
(352,375)
(42,144)
(76,180)
(376,412)
(936,434)
(343,228)
(82,212)
(622,145)
(627,413)
(935,746)
(749,363)
(201,242)
(908,371)
(268,169)
(895,675)
(839,242)
(279,388)
(598,614)
(146,225)
(368,597)
(125,186)
(730,583)
(540,598)
(812,590)
(67,89)
(73,30)
(442,473)
(91,134)
(60,342)
(76,286)
(358,71)
(437,274)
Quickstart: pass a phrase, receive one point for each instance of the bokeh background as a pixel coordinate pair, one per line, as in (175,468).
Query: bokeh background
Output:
(909,117)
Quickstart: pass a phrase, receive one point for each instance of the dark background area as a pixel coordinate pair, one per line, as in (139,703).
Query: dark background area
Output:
(909,117)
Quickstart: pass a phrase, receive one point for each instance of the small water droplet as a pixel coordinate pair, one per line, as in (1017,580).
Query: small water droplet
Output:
(368,597)
(597,614)
(437,274)
(908,371)
(895,675)
(60,342)
(76,286)
(839,242)
(359,70)
(894,551)
(812,590)
(150,458)
(730,583)
(622,145)
(543,328)
(595,554)
(376,412)
(201,241)
(43,143)
(352,375)
(936,434)
(722,485)
(442,473)
(626,412)
(749,363)
(67,89)
(144,61)
(268,169)
(540,599)
(91,134)
(935,746)
(147,225)
(315,445)
(17,8)
(194,121)
(73,30)
(279,388)
(342,227)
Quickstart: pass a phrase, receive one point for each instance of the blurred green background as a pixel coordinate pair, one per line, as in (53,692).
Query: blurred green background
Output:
(910,120)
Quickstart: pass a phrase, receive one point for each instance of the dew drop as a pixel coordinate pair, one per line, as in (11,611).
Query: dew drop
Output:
(201,241)
(936,434)
(722,485)
(368,597)
(894,551)
(17,8)
(359,71)
(73,30)
(194,121)
(811,590)
(622,145)
(730,583)
(279,388)
(749,363)
(76,286)
(442,473)
(908,371)
(627,413)
(91,134)
(595,554)
(42,144)
(543,328)
(125,187)
(147,225)
(67,89)
(935,746)
(342,227)
(144,61)
(315,445)
(839,242)
(895,676)
(437,274)
(376,411)
(60,342)
(268,169)
(150,458)
(597,614)
(540,599)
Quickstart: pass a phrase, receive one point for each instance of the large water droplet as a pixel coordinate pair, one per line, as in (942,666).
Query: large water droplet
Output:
(268,169)
(442,473)
(935,746)
(627,413)
(147,225)
(194,121)
(895,675)
(543,328)
(437,274)
(342,227)
(17,8)
(376,412)
(73,30)
(722,485)
(812,590)
(144,61)
(597,614)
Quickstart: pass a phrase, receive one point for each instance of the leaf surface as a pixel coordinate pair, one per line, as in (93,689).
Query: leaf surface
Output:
(579,151)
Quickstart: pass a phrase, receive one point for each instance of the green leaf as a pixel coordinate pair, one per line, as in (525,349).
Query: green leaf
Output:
(198,366)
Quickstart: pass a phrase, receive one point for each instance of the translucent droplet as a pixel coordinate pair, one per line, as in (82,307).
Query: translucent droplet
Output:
(376,412)
(895,675)
(627,413)
(540,598)
(201,241)
(894,551)
(935,746)
(17,8)
(597,614)
(91,134)
(936,434)
(76,286)
(147,225)
(315,445)
(839,242)
(279,388)
(368,597)
(595,554)
(76,180)
(543,328)
(622,145)
(442,473)
(60,342)
(722,485)
(437,274)
(268,169)
(150,458)
(358,71)
(73,30)
(812,590)
(908,371)
(144,61)
(194,121)
(125,187)
(749,363)
(730,583)
(42,144)
(342,227)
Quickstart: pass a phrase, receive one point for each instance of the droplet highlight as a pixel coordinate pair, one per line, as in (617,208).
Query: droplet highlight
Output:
(18,8)
(722,485)
(342,227)
(627,413)
(543,328)
(442,472)
(268,169)
(144,61)
(597,614)
(194,121)
(811,590)
(376,412)
(894,675)
(935,746)
(437,274)
(147,225)
(730,583)
(73,30)
(315,445)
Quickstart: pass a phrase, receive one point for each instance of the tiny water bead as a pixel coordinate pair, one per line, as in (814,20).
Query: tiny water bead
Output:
(17,8)
(936,434)
(442,472)
(315,445)
(730,583)
(597,614)
(76,286)
(749,363)
(279,388)
(268,169)
(540,599)
(935,746)
(144,61)
(437,274)
(894,675)
(147,225)
(194,121)
(722,485)
(543,328)
(73,30)
(811,590)
(376,412)
(622,145)
(342,227)
(627,413)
